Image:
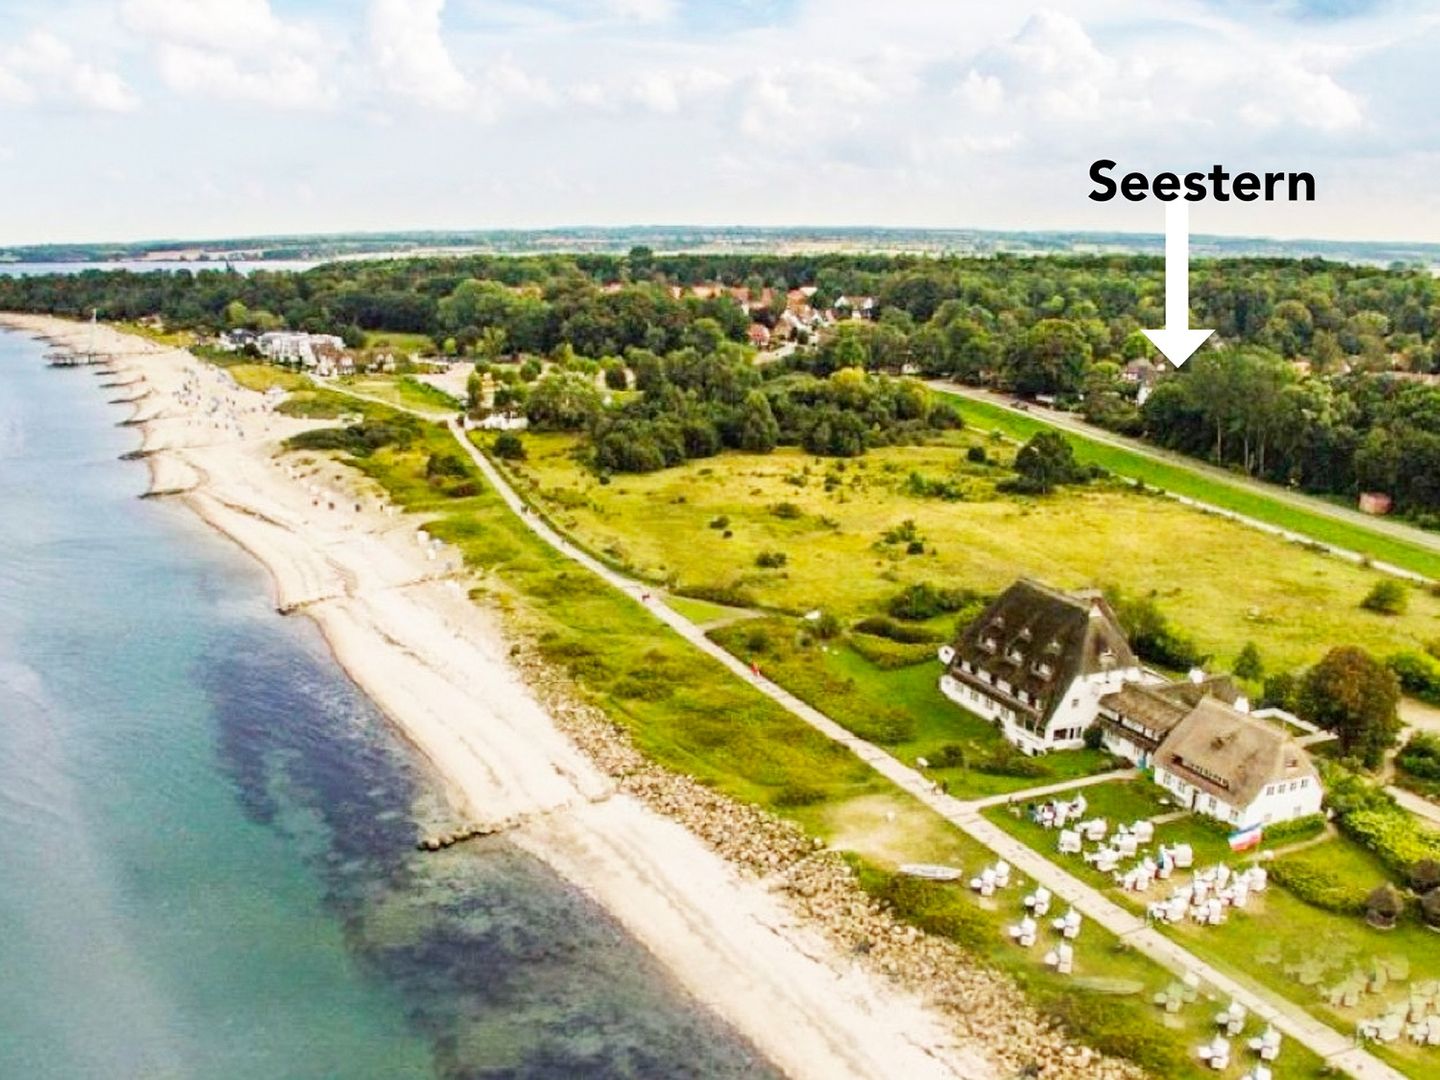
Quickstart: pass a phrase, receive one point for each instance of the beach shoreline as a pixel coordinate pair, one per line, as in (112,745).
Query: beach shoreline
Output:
(730,908)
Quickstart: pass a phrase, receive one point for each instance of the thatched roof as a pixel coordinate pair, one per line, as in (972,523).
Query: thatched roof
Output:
(1158,708)
(1231,755)
(1038,640)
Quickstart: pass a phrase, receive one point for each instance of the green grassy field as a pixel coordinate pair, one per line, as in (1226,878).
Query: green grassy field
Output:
(701,612)
(404,391)
(690,714)
(404,344)
(902,709)
(1221,582)
(256,376)
(1276,929)
(1193,484)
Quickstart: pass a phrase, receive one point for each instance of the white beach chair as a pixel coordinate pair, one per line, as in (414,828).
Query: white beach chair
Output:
(1143,831)
(1183,855)
(1070,843)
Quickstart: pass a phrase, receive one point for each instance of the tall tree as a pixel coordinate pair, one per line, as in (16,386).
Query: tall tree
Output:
(1352,694)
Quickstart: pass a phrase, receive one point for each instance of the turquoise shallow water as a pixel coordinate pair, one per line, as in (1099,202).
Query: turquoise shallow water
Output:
(207,833)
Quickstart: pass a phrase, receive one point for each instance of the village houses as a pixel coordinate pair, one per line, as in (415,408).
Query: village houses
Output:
(1047,666)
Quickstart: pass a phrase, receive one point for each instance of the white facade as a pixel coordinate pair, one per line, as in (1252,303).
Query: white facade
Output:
(292,347)
(1284,800)
(1064,730)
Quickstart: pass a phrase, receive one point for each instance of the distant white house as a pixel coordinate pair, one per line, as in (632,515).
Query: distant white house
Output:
(297,347)
(1045,666)
(498,421)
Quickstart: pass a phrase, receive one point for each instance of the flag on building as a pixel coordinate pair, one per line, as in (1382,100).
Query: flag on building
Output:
(1244,839)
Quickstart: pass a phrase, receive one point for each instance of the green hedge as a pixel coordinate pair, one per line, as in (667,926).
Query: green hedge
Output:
(890,655)
(1419,675)
(1318,886)
(881,626)
(1394,835)
(1289,832)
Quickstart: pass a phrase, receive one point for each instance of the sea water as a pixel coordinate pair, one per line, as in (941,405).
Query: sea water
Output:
(207,833)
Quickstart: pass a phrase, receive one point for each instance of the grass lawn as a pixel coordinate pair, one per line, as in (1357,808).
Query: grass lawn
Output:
(255,376)
(1193,484)
(701,612)
(177,339)
(901,709)
(691,714)
(1221,582)
(405,391)
(405,344)
(1276,929)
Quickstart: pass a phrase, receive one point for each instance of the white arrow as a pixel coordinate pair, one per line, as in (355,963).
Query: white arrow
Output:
(1177,341)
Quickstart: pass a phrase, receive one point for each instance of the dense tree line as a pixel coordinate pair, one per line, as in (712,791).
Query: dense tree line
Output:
(695,403)
(1314,383)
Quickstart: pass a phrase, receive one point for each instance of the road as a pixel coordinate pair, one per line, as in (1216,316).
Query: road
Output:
(1293,1021)
(1395,530)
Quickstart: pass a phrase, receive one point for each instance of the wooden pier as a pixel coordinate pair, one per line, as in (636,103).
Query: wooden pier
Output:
(75,359)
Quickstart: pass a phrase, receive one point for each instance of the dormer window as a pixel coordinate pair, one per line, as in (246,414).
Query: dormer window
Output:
(1042,669)
(1025,634)
(988,644)
(1015,656)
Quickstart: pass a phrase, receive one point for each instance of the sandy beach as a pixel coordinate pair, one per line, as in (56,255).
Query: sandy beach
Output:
(394,607)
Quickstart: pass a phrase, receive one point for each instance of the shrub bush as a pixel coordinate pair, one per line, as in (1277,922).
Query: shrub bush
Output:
(924,601)
(793,795)
(1419,675)
(771,560)
(950,756)
(728,595)
(1421,756)
(508,446)
(977,455)
(1388,597)
(1301,828)
(1318,886)
(1007,761)
(1394,836)
(720,522)
(880,626)
(757,641)
(891,655)
(787,511)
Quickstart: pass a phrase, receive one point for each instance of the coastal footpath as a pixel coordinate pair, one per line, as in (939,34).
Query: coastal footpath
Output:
(751,918)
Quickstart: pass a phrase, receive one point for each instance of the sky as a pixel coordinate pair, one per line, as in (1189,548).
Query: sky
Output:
(146,119)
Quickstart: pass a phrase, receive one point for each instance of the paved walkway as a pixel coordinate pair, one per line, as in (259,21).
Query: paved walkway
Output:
(1337,1049)
(1293,1021)
(1416,804)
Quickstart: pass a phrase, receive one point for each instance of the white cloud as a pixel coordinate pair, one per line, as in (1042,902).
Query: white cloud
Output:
(223,25)
(234,50)
(643,11)
(410,53)
(282,82)
(44,68)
